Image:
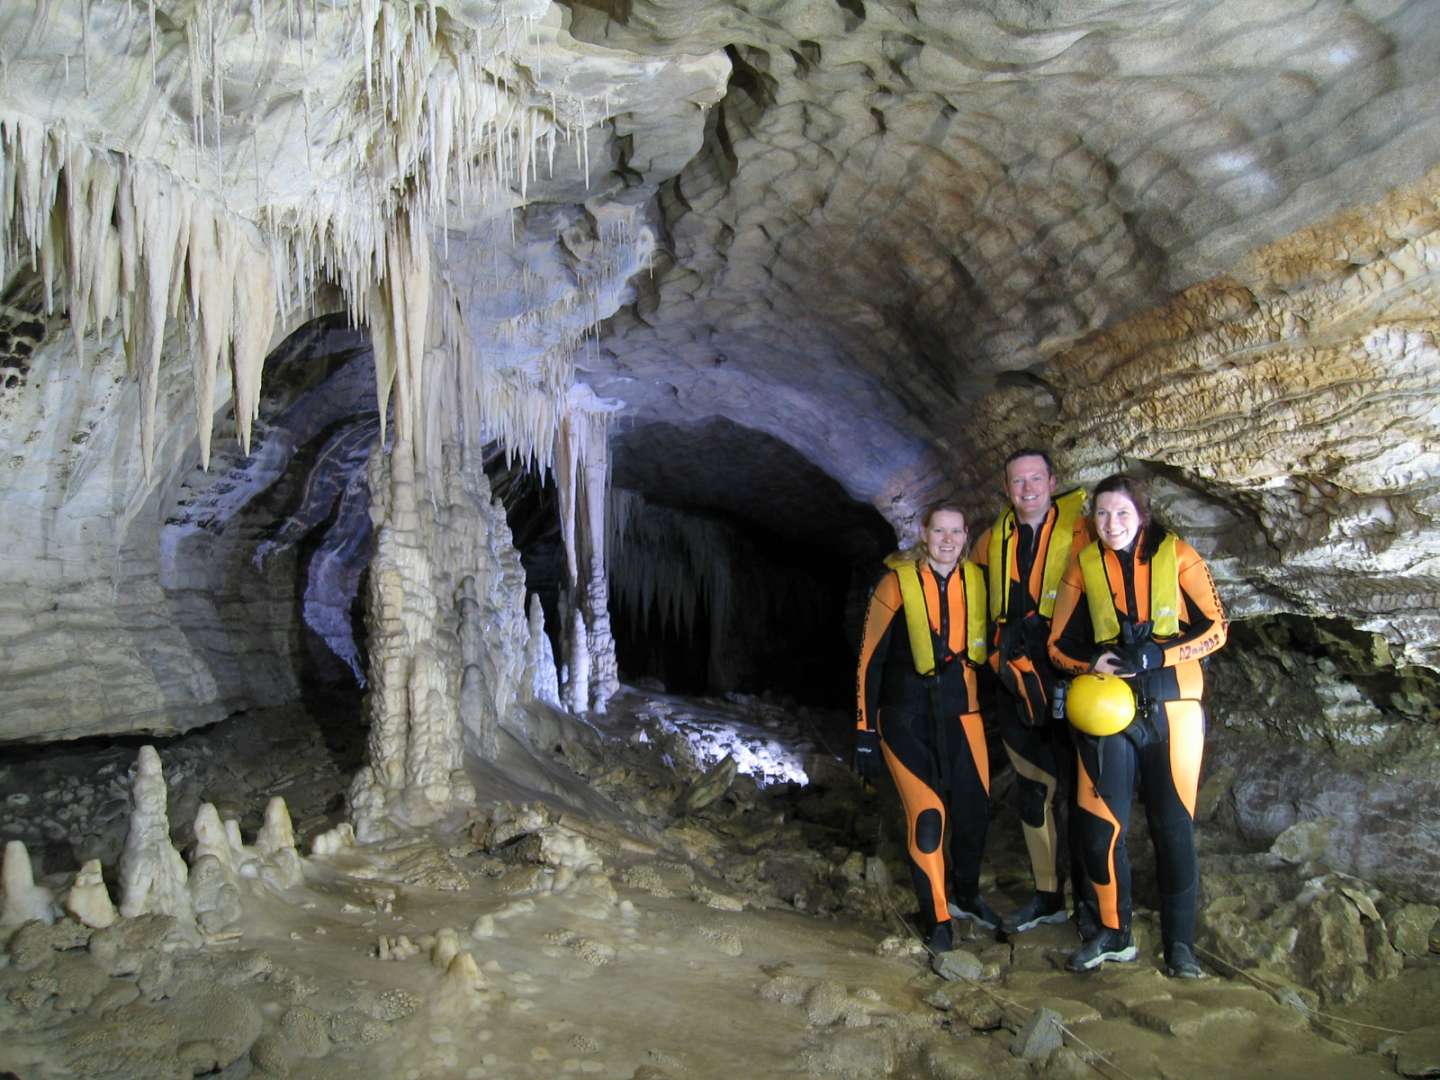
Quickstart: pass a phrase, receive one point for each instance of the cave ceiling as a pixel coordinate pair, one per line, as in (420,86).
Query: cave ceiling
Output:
(901,238)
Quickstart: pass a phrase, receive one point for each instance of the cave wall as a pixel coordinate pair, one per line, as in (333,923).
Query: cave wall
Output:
(1286,414)
(102,631)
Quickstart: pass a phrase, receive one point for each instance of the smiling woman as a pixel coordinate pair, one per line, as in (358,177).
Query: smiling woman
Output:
(1139,603)
(918,710)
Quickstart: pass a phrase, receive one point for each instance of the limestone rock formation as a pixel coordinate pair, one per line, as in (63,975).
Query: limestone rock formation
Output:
(88,900)
(540,658)
(443,570)
(23,900)
(153,876)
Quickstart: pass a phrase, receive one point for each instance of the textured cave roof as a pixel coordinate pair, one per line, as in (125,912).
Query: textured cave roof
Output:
(897,205)
(886,208)
(892,236)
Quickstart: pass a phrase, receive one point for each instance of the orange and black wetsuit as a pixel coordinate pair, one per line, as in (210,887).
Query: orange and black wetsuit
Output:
(1038,745)
(1161,750)
(931,732)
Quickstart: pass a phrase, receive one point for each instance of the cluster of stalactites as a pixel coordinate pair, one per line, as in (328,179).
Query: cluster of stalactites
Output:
(136,245)
(134,249)
(668,566)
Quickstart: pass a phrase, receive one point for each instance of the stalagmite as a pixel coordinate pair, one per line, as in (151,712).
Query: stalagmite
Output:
(23,899)
(213,839)
(446,947)
(89,900)
(277,834)
(454,649)
(280,866)
(153,878)
(577,689)
(463,973)
(214,877)
(333,841)
(540,657)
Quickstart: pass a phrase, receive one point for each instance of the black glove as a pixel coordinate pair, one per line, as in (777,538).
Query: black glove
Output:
(1136,653)
(867,756)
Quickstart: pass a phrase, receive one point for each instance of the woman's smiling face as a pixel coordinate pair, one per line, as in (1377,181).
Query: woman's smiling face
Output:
(1116,520)
(944,537)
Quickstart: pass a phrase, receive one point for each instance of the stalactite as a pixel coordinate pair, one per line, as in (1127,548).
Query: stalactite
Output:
(567,468)
(255,315)
(212,307)
(665,566)
(447,126)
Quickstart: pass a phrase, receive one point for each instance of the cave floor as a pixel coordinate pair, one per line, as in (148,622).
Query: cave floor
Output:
(659,919)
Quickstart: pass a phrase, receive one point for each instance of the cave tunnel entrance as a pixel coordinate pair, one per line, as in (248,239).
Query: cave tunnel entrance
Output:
(736,565)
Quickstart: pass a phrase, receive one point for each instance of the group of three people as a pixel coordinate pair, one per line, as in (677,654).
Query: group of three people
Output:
(1045,595)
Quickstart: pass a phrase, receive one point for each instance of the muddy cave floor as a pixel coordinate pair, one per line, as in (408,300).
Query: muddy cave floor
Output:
(650,917)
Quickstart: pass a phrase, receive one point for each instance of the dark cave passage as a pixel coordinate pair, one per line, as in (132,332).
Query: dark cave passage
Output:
(736,565)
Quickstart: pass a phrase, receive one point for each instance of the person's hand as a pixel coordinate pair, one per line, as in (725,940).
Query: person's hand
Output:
(867,756)
(1107,663)
(1141,656)
(1136,652)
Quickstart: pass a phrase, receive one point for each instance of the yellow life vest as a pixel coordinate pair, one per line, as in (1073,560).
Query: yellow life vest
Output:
(1164,592)
(1057,555)
(917,620)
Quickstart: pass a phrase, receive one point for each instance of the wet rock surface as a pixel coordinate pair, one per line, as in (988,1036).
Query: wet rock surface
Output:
(635,934)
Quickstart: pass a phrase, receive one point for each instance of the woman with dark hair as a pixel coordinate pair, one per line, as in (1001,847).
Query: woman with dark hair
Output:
(1140,603)
(919,712)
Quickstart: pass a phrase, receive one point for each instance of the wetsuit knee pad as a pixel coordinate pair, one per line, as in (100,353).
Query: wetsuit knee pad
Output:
(1032,801)
(929,830)
(1095,837)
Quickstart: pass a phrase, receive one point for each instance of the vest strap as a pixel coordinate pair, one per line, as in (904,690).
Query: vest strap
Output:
(1057,555)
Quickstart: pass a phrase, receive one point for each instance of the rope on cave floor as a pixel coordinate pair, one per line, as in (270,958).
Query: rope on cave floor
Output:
(1095,1058)
(1276,993)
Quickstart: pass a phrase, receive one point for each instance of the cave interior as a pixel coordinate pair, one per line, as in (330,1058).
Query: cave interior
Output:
(448,446)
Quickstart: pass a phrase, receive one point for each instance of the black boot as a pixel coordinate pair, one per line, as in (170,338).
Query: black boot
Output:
(1043,907)
(1087,921)
(1117,945)
(975,909)
(942,938)
(1180,962)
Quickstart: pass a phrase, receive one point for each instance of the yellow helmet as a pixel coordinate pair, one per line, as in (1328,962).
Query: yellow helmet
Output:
(1100,704)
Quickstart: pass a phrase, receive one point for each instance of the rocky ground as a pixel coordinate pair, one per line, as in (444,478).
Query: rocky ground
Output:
(669,916)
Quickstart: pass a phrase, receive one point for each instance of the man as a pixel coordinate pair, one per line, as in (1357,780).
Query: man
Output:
(1025,555)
